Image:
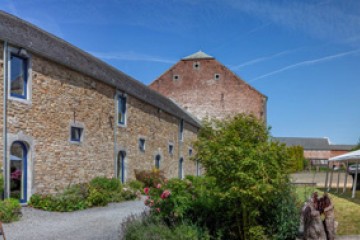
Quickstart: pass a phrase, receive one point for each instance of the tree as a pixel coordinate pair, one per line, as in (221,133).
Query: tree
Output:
(357,146)
(250,171)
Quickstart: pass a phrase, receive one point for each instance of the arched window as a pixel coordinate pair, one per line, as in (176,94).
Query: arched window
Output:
(157,161)
(18,171)
(121,166)
(181,170)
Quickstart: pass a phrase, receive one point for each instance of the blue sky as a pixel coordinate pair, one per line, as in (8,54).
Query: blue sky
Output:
(304,55)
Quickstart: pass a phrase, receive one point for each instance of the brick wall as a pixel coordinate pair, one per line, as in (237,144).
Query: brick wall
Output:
(200,92)
(60,97)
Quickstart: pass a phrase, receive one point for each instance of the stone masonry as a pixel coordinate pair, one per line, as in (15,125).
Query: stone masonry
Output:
(206,88)
(61,97)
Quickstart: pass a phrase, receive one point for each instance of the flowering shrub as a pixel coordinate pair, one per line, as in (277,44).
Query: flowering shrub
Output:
(169,200)
(150,178)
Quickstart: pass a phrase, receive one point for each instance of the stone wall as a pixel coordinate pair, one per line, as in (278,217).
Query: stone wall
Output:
(62,97)
(210,90)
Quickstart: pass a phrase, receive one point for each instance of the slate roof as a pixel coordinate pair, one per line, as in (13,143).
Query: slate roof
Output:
(23,34)
(198,55)
(321,144)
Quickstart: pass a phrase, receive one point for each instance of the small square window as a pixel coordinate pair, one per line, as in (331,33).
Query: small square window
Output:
(196,65)
(171,149)
(216,76)
(176,77)
(76,134)
(142,144)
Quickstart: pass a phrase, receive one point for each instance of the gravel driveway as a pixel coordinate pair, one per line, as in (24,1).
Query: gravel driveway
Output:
(90,224)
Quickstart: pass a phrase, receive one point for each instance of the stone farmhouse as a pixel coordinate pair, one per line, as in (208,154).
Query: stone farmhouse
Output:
(206,88)
(316,150)
(69,117)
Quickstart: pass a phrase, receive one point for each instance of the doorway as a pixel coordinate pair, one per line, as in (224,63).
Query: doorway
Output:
(18,171)
(121,166)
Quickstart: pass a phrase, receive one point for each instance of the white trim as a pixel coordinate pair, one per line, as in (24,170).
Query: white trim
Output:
(78,125)
(122,94)
(28,100)
(29,143)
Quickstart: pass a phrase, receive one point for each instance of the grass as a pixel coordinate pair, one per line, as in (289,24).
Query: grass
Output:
(347,210)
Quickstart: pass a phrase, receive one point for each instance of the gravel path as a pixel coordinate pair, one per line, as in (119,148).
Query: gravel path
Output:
(90,224)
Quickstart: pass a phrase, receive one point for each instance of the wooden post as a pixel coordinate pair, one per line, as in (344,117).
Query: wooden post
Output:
(355,179)
(338,181)
(326,179)
(346,175)
(331,178)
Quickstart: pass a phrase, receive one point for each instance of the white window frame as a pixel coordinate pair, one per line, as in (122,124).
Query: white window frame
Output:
(77,125)
(124,95)
(24,54)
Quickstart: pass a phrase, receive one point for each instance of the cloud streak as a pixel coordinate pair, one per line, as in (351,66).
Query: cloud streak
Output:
(265,58)
(307,63)
(130,56)
(329,20)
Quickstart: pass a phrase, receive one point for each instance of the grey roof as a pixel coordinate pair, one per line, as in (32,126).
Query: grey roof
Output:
(341,147)
(198,55)
(23,34)
(306,143)
(313,143)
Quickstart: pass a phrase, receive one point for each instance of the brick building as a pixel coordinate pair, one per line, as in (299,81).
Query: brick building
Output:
(69,117)
(316,150)
(206,88)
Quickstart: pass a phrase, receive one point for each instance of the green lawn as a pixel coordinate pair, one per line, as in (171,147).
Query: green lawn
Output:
(347,210)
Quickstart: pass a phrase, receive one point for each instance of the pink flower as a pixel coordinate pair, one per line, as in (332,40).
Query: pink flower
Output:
(158,186)
(151,203)
(158,209)
(146,190)
(165,194)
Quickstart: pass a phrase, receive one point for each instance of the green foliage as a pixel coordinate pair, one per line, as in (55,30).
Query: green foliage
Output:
(297,158)
(1,183)
(357,146)
(247,168)
(150,178)
(153,229)
(99,192)
(10,210)
(136,185)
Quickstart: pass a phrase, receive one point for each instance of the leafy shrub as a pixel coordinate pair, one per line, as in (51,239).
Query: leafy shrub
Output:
(1,184)
(106,184)
(297,158)
(10,210)
(136,185)
(153,229)
(150,178)
(99,192)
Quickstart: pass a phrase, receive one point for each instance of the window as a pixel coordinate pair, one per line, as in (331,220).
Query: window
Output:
(142,144)
(216,76)
(121,166)
(181,171)
(181,130)
(121,109)
(196,65)
(157,161)
(171,149)
(18,76)
(76,134)
(176,77)
(190,152)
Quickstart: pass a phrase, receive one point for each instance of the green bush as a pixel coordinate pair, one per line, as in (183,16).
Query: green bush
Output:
(136,185)
(10,210)
(1,184)
(99,192)
(297,158)
(156,230)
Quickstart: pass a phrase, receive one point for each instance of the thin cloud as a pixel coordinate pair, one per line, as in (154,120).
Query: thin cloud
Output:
(306,63)
(131,57)
(328,20)
(265,58)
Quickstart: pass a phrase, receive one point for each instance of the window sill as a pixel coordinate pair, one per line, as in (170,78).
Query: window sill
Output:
(21,100)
